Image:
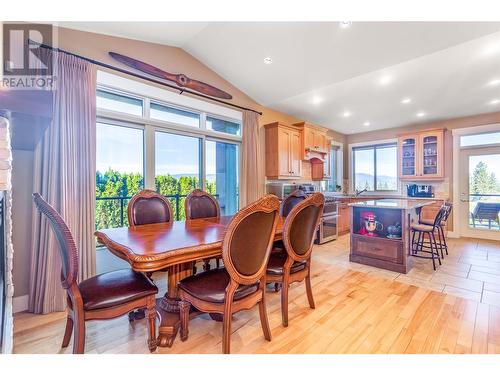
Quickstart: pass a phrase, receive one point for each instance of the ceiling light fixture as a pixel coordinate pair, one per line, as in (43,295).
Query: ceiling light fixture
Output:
(492,48)
(268,60)
(420,114)
(346,114)
(316,99)
(495,101)
(366,123)
(385,80)
(406,101)
(345,24)
(494,82)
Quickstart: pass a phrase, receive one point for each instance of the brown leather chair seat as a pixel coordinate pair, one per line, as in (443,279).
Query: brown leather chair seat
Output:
(422,227)
(431,222)
(211,286)
(115,288)
(277,261)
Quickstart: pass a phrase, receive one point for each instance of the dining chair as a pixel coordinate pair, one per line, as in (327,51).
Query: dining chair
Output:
(294,264)
(149,207)
(101,297)
(201,205)
(294,198)
(240,284)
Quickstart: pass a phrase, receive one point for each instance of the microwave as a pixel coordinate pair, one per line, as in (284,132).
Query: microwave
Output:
(281,189)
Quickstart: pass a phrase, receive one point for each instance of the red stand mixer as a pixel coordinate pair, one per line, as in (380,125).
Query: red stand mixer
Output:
(369,224)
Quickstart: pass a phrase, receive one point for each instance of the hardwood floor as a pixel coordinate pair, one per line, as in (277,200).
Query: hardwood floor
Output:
(359,309)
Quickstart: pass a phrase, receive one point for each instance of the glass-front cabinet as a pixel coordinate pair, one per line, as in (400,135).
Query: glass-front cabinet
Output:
(408,146)
(421,155)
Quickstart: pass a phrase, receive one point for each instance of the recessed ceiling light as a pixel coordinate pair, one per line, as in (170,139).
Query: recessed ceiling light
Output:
(491,48)
(346,114)
(495,101)
(406,101)
(316,99)
(494,82)
(268,60)
(385,80)
(420,114)
(366,123)
(345,24)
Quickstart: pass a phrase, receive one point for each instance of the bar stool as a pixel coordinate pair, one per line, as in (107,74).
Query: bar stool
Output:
(440,231)
(422,230)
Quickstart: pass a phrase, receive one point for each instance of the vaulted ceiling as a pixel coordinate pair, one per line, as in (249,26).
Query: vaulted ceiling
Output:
(366,76)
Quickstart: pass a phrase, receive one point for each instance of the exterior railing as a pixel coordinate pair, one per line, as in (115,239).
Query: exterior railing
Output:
(123,202)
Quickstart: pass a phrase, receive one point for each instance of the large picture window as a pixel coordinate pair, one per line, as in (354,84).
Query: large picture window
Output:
(375,168)
(155,152)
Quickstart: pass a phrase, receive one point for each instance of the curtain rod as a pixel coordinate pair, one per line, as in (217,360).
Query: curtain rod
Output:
(124,71)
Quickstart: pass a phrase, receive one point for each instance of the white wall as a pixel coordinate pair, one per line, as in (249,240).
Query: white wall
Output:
(22,187)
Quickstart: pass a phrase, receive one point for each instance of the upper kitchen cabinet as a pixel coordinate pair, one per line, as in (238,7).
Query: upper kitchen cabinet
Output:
(314,141)
(283,151)
(421,155)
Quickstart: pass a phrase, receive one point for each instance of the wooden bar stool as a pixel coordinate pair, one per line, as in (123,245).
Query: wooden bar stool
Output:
(440,230)
(418,245)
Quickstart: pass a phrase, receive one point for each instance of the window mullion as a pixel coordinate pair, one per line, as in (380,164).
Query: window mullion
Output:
(375,168)
(149,147)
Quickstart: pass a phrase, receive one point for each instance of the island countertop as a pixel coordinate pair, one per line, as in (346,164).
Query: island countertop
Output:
(396,204)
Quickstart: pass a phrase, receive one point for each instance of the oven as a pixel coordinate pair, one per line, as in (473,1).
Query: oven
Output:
(328,229)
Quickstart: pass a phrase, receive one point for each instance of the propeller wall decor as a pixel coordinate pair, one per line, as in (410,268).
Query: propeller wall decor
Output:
(180,79)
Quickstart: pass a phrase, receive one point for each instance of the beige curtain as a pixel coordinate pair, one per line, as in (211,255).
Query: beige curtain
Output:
(251,186)
(65,176)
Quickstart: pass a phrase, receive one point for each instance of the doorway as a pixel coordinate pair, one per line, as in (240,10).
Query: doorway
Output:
(480,192)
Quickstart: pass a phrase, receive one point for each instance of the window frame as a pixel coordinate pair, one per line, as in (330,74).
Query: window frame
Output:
(374,147)
(151,126)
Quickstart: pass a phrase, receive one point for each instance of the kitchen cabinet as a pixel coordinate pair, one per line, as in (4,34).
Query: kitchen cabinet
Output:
(344,219)
(314,141)
(283,151)
(421,155)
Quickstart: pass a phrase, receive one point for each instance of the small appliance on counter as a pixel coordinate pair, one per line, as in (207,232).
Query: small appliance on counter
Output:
(419,191)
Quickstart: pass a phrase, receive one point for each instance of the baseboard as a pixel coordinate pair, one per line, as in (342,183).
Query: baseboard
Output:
(20,303)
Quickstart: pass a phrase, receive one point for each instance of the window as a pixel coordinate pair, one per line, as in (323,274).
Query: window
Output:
(222,174)
(174,115)
(159,155)
(177,168)
(375,168)
(224,126)
(119,172)
(480,139)
(119,103)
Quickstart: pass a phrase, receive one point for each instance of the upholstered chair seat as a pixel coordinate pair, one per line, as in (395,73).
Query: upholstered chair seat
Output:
(277,262)
(115,288)
(211,286)
(423,227)
(431,222)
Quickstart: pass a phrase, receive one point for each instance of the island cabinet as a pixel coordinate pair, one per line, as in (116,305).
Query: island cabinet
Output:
(421,155)
(375,238)
(283,151)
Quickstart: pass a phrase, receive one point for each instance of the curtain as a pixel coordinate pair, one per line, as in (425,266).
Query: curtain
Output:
(65,176)
(251,186)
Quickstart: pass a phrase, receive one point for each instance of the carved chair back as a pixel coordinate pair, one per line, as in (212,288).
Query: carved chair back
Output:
(294,198)
(199,204)
(300,227)
(67,246)
(149,207)
(248,240)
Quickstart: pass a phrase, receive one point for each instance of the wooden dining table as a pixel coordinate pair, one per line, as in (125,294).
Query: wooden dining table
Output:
(173,247)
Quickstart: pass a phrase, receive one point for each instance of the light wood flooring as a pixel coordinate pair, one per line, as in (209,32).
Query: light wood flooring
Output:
(359,309)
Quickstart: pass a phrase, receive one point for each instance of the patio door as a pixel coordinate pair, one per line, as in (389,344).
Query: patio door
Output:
(480,192)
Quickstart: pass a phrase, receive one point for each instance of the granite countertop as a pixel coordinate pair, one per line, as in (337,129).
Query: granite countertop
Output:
(396,204)
(340,196)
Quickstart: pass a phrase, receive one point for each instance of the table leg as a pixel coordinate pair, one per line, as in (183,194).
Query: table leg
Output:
(168,305)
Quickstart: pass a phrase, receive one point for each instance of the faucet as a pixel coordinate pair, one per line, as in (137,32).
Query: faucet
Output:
(358,192)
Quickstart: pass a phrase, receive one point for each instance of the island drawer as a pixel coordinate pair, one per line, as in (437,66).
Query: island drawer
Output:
(378,248)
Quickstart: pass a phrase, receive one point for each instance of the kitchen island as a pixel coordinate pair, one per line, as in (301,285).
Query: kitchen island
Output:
(380,232)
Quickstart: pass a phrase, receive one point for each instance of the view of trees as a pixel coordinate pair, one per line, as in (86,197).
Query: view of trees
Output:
(483,182)
(113,184)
